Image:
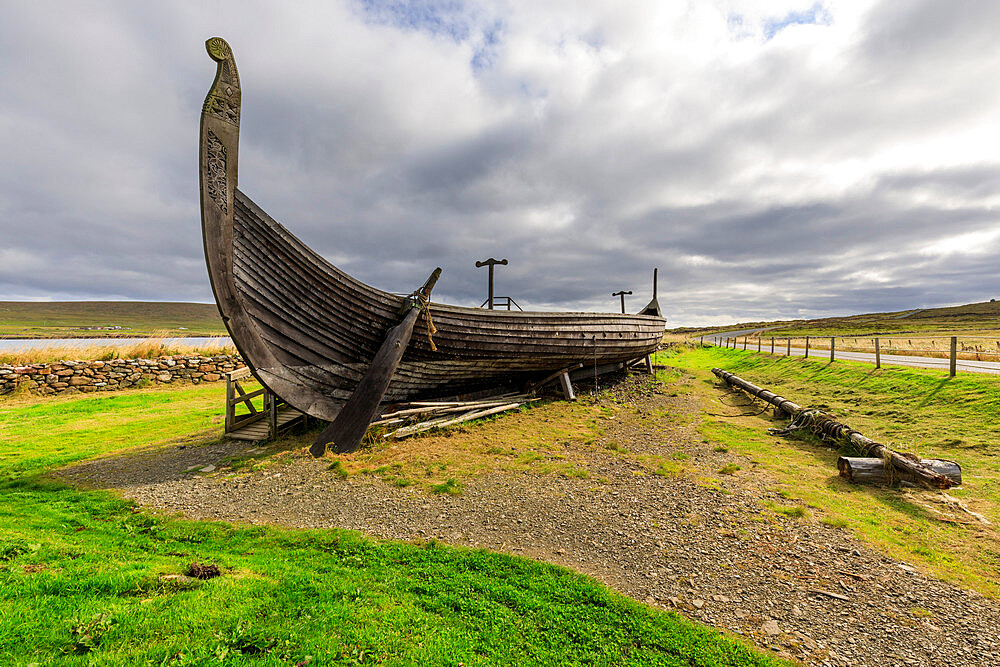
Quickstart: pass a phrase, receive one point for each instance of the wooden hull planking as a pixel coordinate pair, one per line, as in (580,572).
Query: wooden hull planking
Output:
(309,330)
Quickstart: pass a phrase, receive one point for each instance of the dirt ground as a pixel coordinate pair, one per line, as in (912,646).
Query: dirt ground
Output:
(708,549)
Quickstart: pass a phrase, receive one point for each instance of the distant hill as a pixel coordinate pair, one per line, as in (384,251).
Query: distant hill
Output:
(86,319)
(970,317)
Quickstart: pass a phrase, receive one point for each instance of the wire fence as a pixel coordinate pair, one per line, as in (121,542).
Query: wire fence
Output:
(933,350)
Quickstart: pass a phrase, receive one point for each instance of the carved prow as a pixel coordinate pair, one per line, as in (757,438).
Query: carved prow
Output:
(218,159)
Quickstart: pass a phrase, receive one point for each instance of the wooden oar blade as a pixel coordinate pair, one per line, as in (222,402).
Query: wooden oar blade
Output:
(348,429)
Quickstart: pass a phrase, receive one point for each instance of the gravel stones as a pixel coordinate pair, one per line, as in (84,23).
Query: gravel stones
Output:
(805,590)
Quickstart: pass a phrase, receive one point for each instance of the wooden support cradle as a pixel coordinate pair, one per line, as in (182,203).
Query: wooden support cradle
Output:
(273,418)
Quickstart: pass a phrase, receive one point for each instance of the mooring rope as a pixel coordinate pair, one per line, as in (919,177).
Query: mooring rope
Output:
(424,304)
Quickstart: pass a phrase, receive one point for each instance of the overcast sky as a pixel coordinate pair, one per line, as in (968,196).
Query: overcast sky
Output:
(773,159)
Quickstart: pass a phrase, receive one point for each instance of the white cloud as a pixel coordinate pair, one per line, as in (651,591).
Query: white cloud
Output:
(800,148)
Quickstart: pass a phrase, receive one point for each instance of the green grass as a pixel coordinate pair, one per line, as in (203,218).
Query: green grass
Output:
(87,578)
(339,470)
(912,410)
(39,434)
(65,319)
(449,486)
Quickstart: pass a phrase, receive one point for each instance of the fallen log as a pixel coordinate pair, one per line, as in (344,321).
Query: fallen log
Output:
(407,431)
(830,428)
(445,408)
(872,471)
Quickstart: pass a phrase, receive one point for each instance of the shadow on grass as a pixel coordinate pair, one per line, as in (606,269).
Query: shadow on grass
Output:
(177,460)
(929,397)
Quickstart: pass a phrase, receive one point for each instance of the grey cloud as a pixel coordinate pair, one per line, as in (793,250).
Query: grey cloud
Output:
(585,161)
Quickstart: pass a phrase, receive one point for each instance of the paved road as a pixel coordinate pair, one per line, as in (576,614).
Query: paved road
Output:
(780,349)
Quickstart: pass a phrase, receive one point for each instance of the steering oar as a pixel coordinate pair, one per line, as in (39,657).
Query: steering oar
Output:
(348,429)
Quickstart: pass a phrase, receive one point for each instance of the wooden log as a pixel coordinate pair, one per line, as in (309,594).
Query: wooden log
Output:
(589,371)
(837,431)
(554,376)
(445,408)
(567,387)
(441,423)
(872,471)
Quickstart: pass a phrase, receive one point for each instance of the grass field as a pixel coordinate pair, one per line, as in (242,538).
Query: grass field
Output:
(68,319)
(974,319)
(86,578)
(909,409)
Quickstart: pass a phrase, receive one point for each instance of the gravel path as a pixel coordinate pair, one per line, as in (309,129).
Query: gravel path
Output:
(803,589)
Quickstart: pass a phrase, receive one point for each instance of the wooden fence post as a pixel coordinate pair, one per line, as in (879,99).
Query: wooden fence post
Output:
(832,338)
(954,356)
(772,344)
(788,353)
(807,347)
(758,344)
(744,342)
(878,355)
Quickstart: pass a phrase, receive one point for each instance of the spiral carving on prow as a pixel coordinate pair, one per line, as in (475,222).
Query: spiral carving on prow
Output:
(218,48)
(223,100)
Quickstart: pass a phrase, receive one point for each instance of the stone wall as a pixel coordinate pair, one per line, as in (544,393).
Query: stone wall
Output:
(65,377)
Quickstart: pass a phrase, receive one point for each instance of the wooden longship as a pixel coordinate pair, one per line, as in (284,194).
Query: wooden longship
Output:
(309,331)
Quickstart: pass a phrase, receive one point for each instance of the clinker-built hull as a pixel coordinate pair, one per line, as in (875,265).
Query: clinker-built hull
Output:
(309,331)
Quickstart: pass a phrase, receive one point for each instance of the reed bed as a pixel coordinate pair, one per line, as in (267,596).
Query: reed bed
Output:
(149,348)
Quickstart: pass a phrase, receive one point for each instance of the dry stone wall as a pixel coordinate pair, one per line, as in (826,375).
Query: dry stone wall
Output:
(85,376)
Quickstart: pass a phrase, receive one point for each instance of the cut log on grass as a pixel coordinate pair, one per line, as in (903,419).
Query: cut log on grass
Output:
(873,471)
(823,424)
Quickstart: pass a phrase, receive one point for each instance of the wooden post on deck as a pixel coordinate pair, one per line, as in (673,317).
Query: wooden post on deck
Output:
(622,295)
(490,263)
